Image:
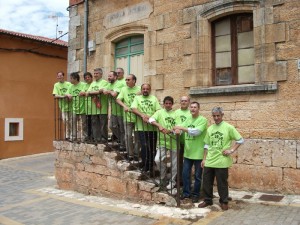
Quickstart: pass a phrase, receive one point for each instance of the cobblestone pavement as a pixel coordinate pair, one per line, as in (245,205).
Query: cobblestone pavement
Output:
(28,196)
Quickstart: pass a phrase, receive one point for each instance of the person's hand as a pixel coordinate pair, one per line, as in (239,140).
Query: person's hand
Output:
(228,152)
(203,163)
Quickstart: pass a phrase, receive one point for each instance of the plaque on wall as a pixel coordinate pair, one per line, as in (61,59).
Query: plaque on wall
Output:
(128,14)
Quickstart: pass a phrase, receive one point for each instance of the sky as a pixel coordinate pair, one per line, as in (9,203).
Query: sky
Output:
(36,17)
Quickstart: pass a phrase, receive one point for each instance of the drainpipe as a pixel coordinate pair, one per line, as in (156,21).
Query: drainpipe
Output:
(85,35)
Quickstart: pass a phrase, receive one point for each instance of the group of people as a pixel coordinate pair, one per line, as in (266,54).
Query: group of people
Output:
(145,128)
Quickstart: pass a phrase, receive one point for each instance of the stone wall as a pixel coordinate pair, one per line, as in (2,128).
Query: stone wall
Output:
(177,61)
(95,170)
(267,165)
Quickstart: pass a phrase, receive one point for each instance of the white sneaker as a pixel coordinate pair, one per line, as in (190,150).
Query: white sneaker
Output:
(171,185)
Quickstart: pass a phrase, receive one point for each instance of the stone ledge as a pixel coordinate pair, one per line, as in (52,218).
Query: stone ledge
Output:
(234,89)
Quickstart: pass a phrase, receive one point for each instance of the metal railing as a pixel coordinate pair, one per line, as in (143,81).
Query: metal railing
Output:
(75,120)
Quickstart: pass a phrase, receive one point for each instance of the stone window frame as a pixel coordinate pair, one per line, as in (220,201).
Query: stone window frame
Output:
(264,82)
(20,134)
(116,35)
(234,55)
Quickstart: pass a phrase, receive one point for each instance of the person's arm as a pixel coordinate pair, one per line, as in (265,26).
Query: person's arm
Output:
(144,117)
(204,156)
(125,107)
(236,145)
(190,131)
(160,127)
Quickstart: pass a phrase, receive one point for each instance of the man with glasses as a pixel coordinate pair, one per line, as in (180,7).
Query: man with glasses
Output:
(125,98)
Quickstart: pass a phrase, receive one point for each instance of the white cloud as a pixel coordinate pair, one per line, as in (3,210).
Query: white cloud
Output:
(34,17)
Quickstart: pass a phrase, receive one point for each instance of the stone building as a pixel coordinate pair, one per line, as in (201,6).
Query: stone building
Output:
(241,55)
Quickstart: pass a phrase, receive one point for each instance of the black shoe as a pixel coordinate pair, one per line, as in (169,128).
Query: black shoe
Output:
(195,199)
(203,205)
(182,197)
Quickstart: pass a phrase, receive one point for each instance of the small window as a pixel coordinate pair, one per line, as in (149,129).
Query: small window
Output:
(13,129)
(233,54)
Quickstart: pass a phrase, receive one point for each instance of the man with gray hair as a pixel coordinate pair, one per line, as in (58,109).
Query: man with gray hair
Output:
(217,157)
(98,107)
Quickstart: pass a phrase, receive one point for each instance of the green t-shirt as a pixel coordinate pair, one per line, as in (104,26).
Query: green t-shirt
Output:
(116,109)
(123,82)
(147,105)
(77,101)
(127,95)
(97,104)
(86,99)
(180,117)
(219,138)
(194,145)
(61,89)
(167,120)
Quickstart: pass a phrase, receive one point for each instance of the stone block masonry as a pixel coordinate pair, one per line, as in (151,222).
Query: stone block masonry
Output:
(95,170)
(259,165)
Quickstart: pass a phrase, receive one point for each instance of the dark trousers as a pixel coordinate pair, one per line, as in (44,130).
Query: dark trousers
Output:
(148,141)
(221,175)
(100,127)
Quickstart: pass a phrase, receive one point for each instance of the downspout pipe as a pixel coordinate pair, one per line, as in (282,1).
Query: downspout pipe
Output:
(85,35)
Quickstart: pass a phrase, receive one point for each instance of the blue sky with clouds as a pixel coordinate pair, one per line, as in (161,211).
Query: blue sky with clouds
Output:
(36,17)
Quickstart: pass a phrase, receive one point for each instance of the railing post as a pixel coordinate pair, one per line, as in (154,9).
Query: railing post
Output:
(178,170)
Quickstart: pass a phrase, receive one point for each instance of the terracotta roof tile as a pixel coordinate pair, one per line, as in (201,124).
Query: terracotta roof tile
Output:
(34,37)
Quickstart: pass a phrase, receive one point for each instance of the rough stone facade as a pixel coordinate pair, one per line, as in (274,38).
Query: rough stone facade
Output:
(177,61)
(96,170)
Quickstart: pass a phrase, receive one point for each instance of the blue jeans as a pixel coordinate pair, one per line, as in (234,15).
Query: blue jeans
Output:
(186,177)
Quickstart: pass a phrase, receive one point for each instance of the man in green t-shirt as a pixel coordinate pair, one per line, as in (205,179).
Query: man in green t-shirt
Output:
(78,131)
(120,73)
(217,158)
(125,98)
(97,107)
(144,106)
(181,115)
(59,90)
(194,129)
(88,78)
(116,117)
(164,120)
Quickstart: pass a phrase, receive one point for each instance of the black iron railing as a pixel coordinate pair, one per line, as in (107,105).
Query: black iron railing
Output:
(76,119)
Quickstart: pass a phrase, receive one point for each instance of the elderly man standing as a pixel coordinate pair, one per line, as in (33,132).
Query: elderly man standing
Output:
(125,98)
(98,107)
(217,158)
(144,106)
(120,73)
(59,90)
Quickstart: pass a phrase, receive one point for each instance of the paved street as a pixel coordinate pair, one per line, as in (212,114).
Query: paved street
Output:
(28,196)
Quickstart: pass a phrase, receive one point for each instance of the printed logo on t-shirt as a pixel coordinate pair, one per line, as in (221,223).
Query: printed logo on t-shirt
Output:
(170,122)
(217,139)
(63,90)
(147,106)
(131,96)
(182,118)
